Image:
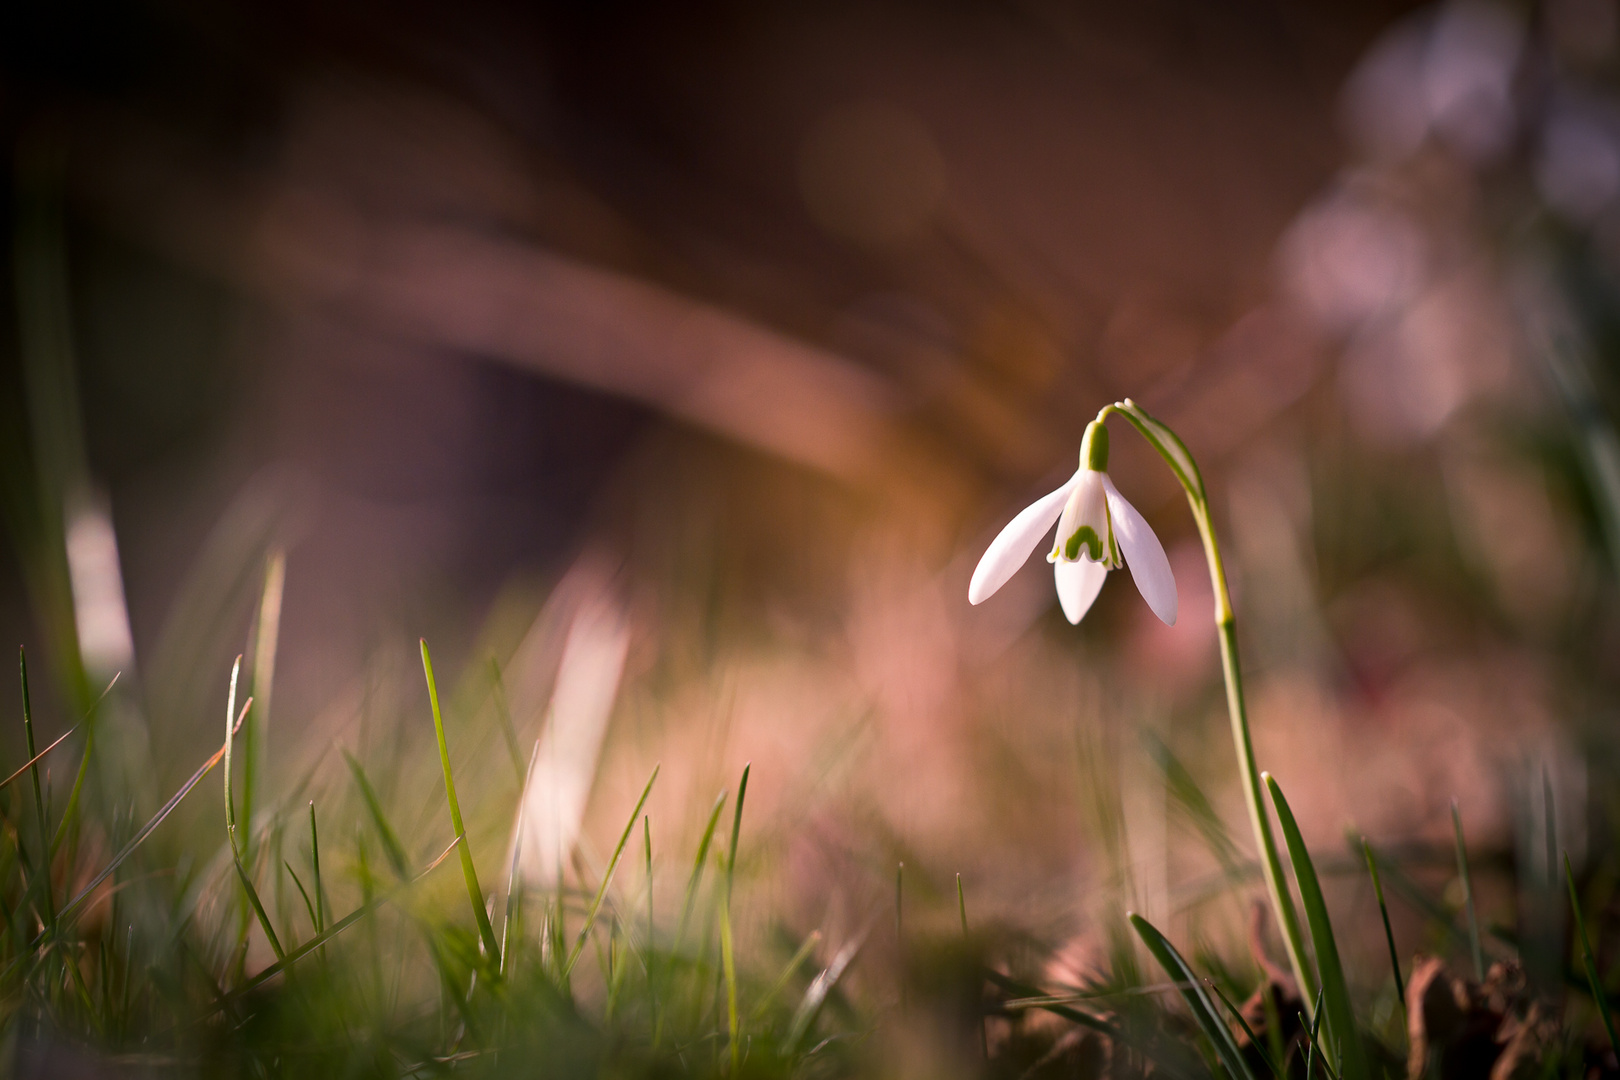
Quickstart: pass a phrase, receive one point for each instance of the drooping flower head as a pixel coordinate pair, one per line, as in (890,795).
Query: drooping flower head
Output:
(1097,531)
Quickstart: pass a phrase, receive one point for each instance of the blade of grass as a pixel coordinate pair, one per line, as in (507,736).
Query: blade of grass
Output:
(315,865)
(1186,794)
(1335,993)
(145,830)
(728,965)
(1047,1003)
(1389,932)
(650,953)
(514,884)
(816,996)
(697,870)
(504,715)
(1468,894)
(70,813)
(35,760)
(39,799)
(961,909)
(1192,992)
(230,746)
(757,1013)
(607,877)
(646,846)
(1589,959)
(475,894)
(266,637)
(1314,1051)
(961,905)
(230,814)
(309,905)
(1244,1024)
(392,848)
(258,910)
(736,828)
(322,938)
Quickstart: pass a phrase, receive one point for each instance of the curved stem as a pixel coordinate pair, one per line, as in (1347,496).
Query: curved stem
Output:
(1181,463)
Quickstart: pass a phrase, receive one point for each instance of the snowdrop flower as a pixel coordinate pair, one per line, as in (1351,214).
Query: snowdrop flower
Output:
(1097,531)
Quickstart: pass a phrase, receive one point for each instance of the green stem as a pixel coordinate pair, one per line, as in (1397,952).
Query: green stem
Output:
(1180,460)
(475,893)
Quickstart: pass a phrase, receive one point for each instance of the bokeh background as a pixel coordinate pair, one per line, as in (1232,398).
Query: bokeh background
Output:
(677,362)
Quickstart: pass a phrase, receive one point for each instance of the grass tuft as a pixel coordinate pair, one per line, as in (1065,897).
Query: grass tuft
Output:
(1334,991)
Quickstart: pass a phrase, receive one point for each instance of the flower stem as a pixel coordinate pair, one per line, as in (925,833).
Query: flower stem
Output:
(1181,463)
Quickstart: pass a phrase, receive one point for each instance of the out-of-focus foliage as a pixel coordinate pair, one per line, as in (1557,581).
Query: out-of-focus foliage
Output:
(671,369)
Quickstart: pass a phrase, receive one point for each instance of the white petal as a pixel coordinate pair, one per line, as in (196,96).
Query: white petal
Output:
(1087,508)
(1150,569)
(1013,544)
(1078,584)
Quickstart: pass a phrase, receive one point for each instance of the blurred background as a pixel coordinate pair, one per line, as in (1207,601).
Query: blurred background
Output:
(668,368)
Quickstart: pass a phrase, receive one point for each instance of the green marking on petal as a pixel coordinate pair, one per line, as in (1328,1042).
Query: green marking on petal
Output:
(1084,537)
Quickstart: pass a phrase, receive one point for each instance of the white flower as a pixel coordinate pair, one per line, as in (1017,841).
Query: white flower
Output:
(1098,531)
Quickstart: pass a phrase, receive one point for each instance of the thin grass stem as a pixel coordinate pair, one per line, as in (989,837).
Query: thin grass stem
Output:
(475,894)
(44,870)
(1589,960)
(692,882)
(266,638)
(1237,1014)
(1474,949)
(70,813)
(607,877)
(1389,931)
(728,967)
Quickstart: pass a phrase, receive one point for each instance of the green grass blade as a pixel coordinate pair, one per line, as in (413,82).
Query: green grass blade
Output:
(145,831)
(258,910)
(607,877)
(728,966)
(1389,932)
(1468,894)
(816,996)
(28,765)
(315,866)
(392,848)
(1589,959)
(697,870)
(44,870)
(504,715)
(1313,1048)
(309,905)
(757,1014)
(266,637)
(1237,1015)
(514,885)
(475,894)
(961,905)
(370,905)
(961,910)
(230,750)
(1335,993)
(646,847)
(1192,992)
(736,828)
(1194,804)
(70,813)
